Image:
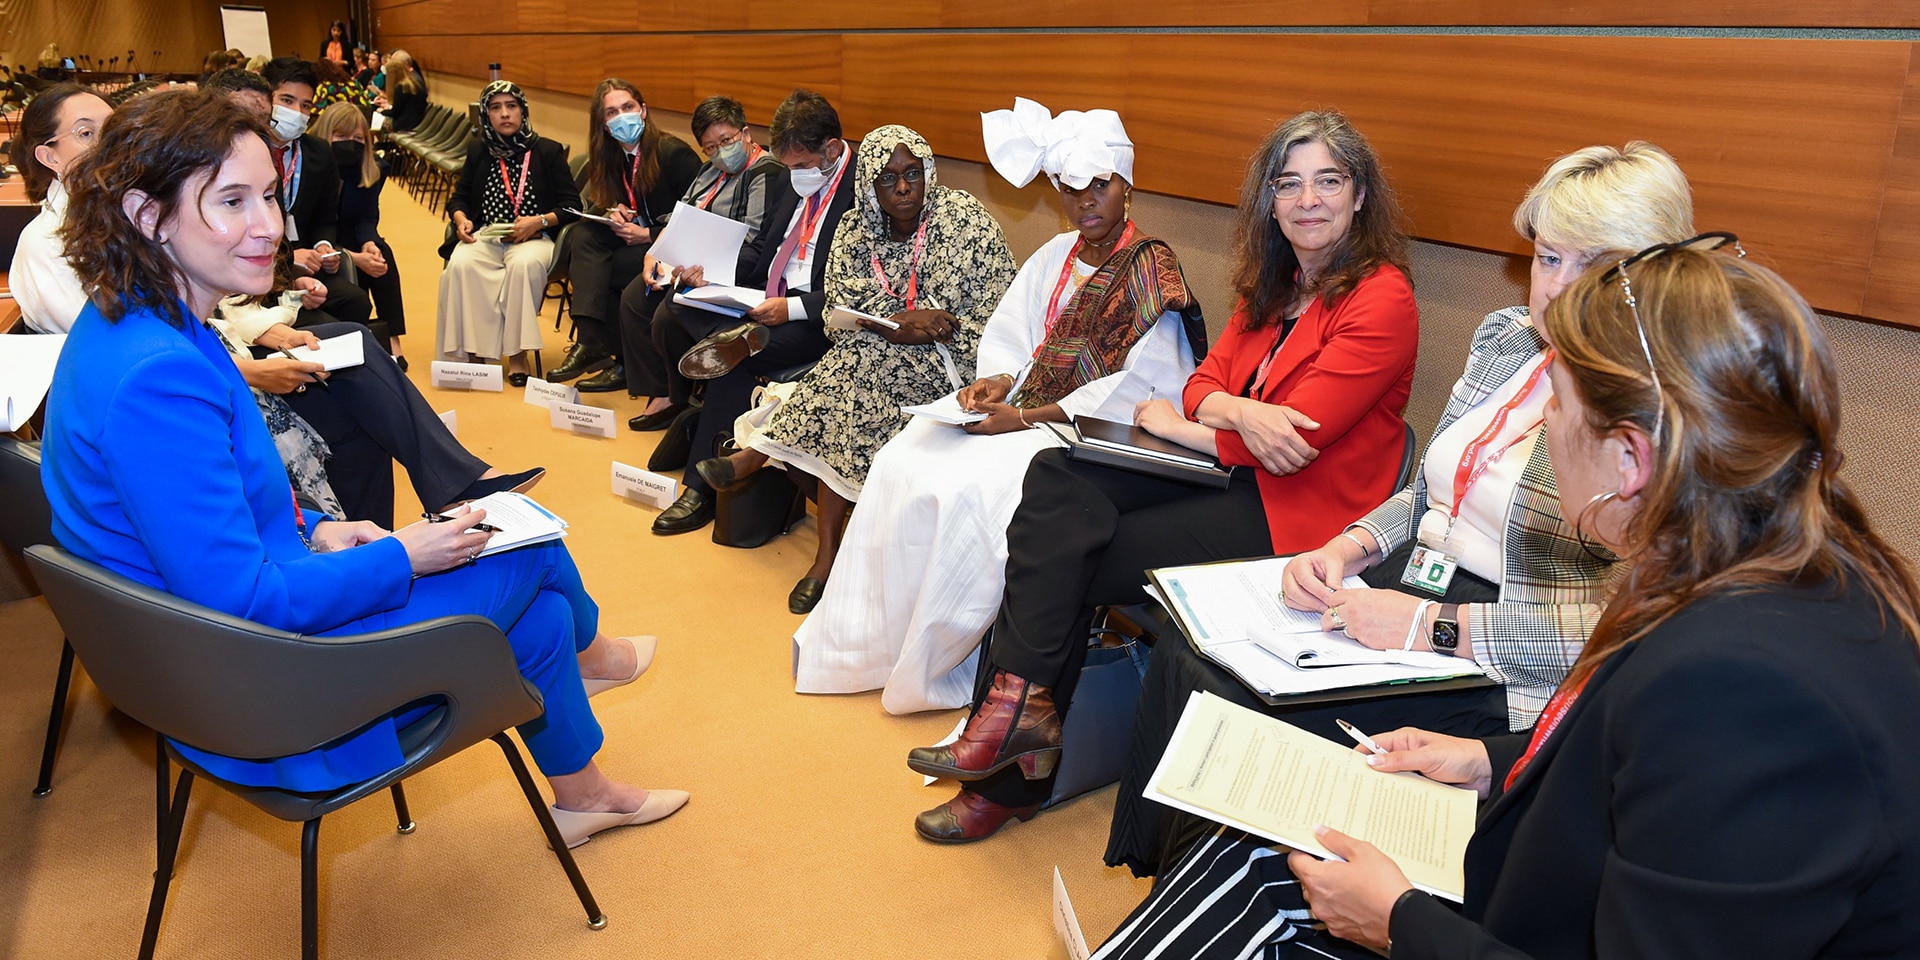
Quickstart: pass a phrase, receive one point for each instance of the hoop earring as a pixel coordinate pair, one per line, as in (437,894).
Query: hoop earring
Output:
(1580,526)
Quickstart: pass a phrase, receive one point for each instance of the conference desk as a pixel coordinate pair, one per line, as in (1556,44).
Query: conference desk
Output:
(15,211)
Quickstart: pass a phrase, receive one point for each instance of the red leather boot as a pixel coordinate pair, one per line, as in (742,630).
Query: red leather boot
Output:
(1016,724)
(968,817)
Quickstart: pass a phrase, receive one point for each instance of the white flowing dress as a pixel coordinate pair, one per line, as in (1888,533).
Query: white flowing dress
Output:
(919,575)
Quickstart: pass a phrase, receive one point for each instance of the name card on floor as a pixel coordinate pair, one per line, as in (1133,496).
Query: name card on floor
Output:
(448,375)
(1065,922)
(634,483)
(594,421)
(452,419)
(540,393)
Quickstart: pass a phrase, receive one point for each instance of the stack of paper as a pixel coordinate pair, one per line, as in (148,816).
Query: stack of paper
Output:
(518,520)
(1245,769)
(334,353)
(947,409)
(721,298)
(494,231)
(701,238)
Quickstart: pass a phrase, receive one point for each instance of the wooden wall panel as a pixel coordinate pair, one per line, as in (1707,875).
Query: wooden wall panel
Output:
(1464,123)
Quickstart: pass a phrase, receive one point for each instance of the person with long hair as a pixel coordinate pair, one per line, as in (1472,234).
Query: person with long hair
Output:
(1107,306)
(337,85)
(1523,595)
(517,181)
(1727,770)
(635,173)
(1302,396)
(172,211)
(61,124)
(404,93)
(338,46)
(343,127)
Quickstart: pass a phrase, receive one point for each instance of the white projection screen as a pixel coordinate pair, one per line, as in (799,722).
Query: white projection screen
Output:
(246,29)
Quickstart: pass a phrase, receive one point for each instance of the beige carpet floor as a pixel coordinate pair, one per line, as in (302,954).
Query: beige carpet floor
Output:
(798,842)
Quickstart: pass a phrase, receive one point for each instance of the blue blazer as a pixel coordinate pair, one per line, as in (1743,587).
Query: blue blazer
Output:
(159,467)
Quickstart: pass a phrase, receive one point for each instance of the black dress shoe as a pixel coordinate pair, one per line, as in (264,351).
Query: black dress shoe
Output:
(517,482)
(401,362)
(606,381)
(689,513)
(716,356)
(579,361)
(516,379)
(656,421)
(806,595)
(718,473)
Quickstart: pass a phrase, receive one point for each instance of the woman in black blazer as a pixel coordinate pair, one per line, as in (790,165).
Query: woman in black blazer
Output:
(1729,771)
(513,196)
(362,175)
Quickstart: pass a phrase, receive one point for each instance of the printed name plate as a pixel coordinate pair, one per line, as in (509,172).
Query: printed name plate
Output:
(540,393)
(448,375)
(593,421)
(634,483)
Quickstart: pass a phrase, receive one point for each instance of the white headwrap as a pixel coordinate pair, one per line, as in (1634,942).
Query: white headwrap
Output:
(1074,148)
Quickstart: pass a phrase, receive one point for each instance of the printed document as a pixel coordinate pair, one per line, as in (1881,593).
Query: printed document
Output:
(520,521)
(699,238)
(1245,769)
(334,353)
(947,409)
(720,298)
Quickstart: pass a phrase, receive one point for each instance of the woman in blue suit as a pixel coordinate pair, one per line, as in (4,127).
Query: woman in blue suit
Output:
(159,467)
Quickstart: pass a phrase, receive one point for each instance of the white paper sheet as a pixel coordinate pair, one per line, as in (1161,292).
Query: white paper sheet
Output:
(847,318)
(699,238)
(334,353)
(26,371)
(520,521)
(720,298)
(947,409)
(1065,922)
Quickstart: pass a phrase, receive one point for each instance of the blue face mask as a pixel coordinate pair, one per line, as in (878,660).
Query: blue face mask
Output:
(627,127)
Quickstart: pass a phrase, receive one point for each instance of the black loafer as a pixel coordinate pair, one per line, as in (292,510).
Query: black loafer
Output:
(689,513)
(401,362)
(806,595)
(579,362)
(516,379)
(656,421)
(716,356)
(718,473)
(608,380)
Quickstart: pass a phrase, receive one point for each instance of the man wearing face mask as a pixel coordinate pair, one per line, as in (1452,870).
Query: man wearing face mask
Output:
(785,330)
(634,173)
(737,182)
(309,191)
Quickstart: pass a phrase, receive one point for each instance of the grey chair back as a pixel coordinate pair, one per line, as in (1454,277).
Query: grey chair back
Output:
(233,687)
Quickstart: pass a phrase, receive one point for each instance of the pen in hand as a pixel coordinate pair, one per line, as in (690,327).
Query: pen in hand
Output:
(1362,738)
(443,518)
(314,377)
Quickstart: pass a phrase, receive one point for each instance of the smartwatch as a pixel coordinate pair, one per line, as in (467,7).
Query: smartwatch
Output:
(1446,630)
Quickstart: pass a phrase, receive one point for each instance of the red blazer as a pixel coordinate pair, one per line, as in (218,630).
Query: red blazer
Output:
(1350,369)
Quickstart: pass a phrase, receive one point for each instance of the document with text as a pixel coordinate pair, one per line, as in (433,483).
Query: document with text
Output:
(1245,769)
(698,238)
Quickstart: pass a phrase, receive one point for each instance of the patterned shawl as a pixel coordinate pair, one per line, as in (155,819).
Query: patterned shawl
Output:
(1106,317)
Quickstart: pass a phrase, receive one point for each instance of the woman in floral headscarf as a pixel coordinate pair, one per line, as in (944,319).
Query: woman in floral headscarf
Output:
(932,261)
(1098,319)
(490,292)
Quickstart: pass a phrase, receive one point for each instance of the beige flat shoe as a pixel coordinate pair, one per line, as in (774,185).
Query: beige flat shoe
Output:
(577,828)
(643,648)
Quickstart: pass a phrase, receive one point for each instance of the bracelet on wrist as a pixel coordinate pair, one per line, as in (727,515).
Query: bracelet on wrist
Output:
(1364,551)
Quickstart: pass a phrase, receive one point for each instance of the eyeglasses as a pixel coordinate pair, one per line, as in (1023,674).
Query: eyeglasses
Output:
(1325,186)
(82,132)
(1713,240)
(889,180)
(723,143)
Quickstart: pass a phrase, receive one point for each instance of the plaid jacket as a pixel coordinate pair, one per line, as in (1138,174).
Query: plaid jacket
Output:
(1550,589)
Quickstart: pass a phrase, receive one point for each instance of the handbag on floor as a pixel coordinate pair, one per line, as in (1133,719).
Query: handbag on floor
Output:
(765,506)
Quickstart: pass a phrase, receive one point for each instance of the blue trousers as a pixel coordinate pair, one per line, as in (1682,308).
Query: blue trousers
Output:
(535,596)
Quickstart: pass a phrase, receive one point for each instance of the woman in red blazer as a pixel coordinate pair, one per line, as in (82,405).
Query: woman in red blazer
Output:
(1302,396)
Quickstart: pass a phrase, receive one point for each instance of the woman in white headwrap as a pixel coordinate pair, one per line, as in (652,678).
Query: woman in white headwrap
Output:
(1097,320)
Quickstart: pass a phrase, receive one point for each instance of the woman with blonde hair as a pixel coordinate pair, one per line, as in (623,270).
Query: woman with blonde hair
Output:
(406,94)
(343,127)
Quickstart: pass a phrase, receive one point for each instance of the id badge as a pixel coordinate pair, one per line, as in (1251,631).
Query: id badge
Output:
(1429,570)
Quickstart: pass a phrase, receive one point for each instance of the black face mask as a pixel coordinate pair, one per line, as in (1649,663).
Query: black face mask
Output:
(347,155)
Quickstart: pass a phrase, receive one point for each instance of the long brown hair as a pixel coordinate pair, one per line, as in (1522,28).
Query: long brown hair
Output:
(40,122)
(1745,491)
(1265,274)
(153,144)
(607,160)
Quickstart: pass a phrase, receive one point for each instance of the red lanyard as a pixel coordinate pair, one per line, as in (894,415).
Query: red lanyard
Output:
(1471,467)
(752,155)
(810,217)
(1543,728)
(288,161)
(1066,274)
(299,519)
(633,171)
(513,196)
(913,270)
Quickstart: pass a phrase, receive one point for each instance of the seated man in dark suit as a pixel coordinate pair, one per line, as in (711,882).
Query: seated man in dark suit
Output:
(790,265)
(310,191)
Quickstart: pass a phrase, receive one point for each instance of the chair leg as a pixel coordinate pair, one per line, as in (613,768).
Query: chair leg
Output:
(595,919)
(400,808)
(163,782)
(310,890)
(54,720)
(163,872)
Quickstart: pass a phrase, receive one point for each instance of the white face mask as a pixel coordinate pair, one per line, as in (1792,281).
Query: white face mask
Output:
(287,123)
(807,181)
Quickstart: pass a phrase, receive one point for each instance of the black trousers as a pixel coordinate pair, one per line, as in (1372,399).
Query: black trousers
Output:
(730,396)
(644,331)
(1148,837)
(1084,536)
(346,303)
(372,415)
(600,267)
(385,292)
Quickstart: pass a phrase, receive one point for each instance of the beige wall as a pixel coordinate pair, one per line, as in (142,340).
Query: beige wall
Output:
(183,32)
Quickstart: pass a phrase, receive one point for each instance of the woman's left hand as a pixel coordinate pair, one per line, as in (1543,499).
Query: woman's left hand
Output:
(1158,417)
(332,536)
(526,228)
(313,293)
(631,233)
(282,337)
(918,327)
(369,260)
(1001,418)
(1377,618)
(1354,899)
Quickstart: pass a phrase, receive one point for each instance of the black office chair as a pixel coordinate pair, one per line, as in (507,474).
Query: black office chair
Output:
(1409,461)
(240,689)
(27,521)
